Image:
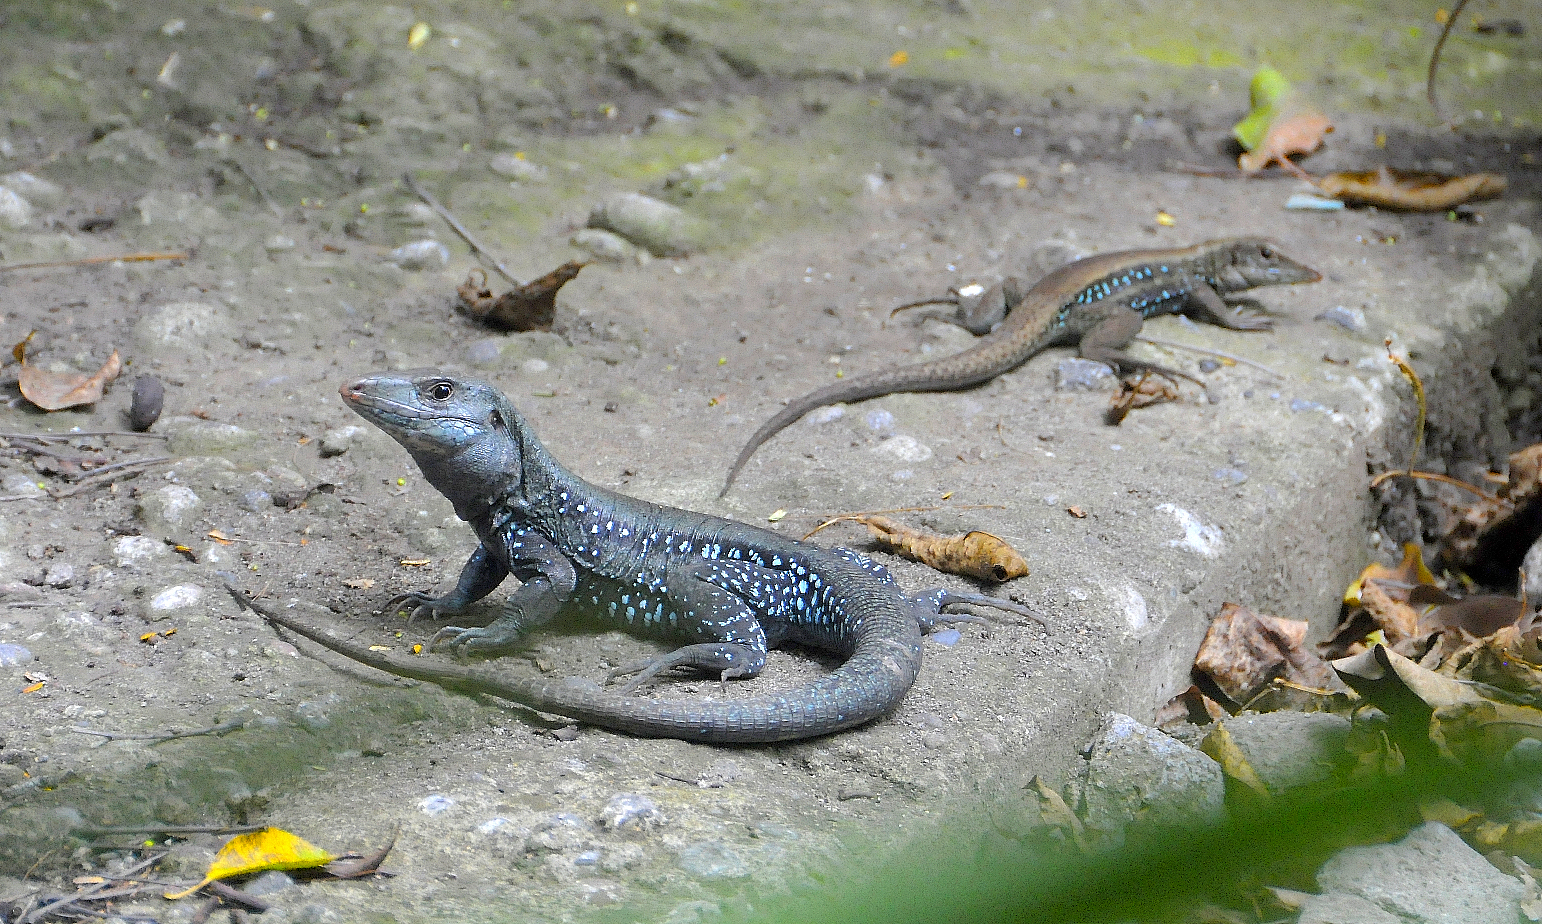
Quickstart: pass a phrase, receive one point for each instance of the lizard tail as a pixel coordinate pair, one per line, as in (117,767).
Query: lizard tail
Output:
(933,376)
(876,676)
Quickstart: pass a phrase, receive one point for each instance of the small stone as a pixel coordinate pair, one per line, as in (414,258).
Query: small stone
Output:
(661,229)
(1004,179)
(420,255)
(435,804)
(560,832)
(14,655)
(634,809)
(271,882)
(947,638)
(1351,319)
(1230,475)
(210,439)
(15,212)
(148,401)
(904,448)
(485,353)
(1302,405)
(1431,875)
(22,486)
(826,415)
(879,421)
(1135,772)
(255,501)
(605,245)
(1077,373)
(174,601)
(37,191)
(138,551)
(713,860)
(279,243)
(59,574)
(1208,365)
(336,442)
(516,168)
(168,509)
(1290,749)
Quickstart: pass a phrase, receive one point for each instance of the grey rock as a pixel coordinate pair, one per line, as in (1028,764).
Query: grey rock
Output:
(662,229)
(1337,908)
(138,552)
(15,211)
(1078,373)
(630,809)
(516,168)
(560,832)
(485,353)
(1004,179)
(605,245)
(1531,564)
(713,860)
(420,255)
(1290,749)
(175,601)
(22,485)
(1136,773)
(210,439)
(271,882)
(338,441)
(36,190)
(168,509)
(14,655)
(255,500)
(181,326)
(1429,877)
(435,804)
(1351,319)
(128,146)
(59,574)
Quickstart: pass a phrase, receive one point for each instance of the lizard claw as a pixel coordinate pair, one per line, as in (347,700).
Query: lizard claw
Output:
(414,603)
(480,640)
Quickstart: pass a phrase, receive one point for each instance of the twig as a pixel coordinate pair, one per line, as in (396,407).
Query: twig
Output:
(93,893)
(1440,43)
(232,894)
(219,729)
(131,467)
(157,828)
(73,434)
(89,261)
(1242,361)
(460,229)
(1443,479)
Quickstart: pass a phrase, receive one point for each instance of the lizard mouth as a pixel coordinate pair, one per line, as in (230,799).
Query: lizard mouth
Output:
(359,396)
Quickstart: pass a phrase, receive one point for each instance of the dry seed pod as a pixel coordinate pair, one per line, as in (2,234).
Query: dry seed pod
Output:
(145,408)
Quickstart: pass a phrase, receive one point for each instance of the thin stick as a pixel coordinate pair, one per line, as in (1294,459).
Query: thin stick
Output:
(460,229)
(158,828)
(88,261)
(1443,479)
(1241,361)
(71,435)
(868,513)
(132,467)
(219,729)
(1440,43)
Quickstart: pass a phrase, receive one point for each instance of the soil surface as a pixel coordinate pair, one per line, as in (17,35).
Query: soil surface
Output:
(825,183)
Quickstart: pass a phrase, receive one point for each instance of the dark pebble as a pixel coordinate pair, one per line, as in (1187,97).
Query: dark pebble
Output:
(145,409)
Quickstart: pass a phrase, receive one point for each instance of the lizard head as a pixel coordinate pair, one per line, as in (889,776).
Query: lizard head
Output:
(1256,261)
(463,433)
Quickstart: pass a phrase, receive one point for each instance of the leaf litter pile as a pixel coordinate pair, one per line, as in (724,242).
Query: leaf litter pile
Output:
(1438,672)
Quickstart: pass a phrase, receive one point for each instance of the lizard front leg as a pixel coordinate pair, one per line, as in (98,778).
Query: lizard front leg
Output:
(480,576)
(547,579)
(1206,304)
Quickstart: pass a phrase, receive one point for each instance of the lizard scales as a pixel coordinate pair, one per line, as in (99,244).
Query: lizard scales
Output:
(1099,302)
(734,590)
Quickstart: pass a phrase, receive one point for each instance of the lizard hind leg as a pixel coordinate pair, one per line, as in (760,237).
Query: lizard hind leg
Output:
(931,607)
(1106,341)
(729,661)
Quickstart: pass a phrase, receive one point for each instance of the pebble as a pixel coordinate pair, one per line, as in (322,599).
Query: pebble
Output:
(279,243)
(630,808)
(1138,772)
(1300,405)
(713,860)
(1351,319)
(662,229)
(148,401)
(136,551)
(338,441)
(516,168)
(1004,179)
(22,486)
(15,212)
(255,501)
(420,255)
(605,245)
(175,598)
(60,574)
(1232,476)
(271,882)
(1075,372)
(493,825)
(14,655)
(947,638)
(484,353)
(587,858)
(826,414)
(904,448)
(435,804)
(560,832)
(35,190)
(879,421)
(1306,202)
(168,508)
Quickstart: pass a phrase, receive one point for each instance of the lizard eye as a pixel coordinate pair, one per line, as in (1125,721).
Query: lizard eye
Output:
(1268,251)
(441,391)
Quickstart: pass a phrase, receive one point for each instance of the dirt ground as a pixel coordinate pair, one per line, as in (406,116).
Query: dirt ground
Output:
(830,195)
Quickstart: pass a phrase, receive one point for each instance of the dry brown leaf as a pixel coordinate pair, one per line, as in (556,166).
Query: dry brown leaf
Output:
(53,391)
(1298,129)
(532,306)
(974,554)
(1411,190)
(1244,651)
(1397,620)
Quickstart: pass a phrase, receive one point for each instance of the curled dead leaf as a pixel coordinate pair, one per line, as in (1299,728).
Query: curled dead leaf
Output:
(1411,190)
(53,391)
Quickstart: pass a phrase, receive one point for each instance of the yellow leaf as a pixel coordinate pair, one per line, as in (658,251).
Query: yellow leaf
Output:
(270,848)
(1221,746)
(1411,570)
(1165,220)
(418,35)
(899,58)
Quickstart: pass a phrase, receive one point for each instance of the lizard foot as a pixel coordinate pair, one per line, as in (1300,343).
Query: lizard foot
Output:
(486,639)
(931,605)
(729,661)
(414,603)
